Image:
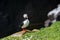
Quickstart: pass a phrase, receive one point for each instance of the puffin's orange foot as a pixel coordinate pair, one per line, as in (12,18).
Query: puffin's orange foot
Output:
(24,31)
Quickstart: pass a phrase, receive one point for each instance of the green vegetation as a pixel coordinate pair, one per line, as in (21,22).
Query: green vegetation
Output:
(48,33)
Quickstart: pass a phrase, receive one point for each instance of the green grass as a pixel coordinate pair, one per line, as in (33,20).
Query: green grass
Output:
(48,33)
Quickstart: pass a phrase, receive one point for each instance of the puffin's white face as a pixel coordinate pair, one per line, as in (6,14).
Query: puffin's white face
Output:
(25,16)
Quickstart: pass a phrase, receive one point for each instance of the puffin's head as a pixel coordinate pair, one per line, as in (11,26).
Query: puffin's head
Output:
(25,15)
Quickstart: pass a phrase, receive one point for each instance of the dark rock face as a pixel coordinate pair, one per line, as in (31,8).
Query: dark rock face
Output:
(11,12)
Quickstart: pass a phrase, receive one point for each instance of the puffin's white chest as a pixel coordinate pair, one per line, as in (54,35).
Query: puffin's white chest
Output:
(25,23)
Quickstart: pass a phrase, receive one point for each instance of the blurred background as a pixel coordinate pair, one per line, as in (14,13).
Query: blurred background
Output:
(11,12)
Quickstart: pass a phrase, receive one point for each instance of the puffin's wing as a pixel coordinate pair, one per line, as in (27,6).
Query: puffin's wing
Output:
(21,24)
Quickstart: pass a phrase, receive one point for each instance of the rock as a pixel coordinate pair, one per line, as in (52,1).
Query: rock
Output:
(35,30)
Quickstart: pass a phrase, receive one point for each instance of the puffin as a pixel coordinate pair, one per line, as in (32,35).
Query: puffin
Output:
(52,16)
(25,23)
(56,13)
